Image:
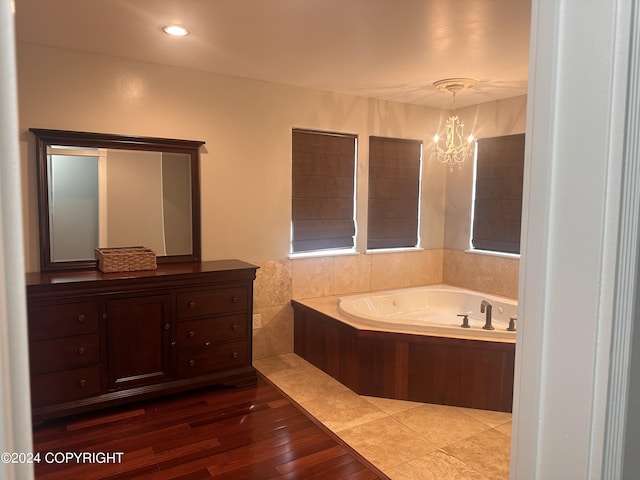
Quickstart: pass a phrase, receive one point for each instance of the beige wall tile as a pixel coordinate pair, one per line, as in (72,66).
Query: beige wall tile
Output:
(387,271)
(275,337)
(312,277)
(435,268)
(484,273)
(414,266)
(422,268)
(273,283)
(516,278)
(351,274)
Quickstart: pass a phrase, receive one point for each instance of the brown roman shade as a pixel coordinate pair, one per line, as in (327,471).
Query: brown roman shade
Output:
(498,198)
(323,184)
(394,192)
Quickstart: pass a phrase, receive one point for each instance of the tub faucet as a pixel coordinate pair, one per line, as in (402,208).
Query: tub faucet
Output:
(485,306)
(465,320)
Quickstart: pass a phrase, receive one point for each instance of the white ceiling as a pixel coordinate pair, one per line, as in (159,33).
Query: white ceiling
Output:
(388,49)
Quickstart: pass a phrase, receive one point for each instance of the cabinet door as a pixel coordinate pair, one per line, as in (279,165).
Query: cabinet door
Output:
(139,341)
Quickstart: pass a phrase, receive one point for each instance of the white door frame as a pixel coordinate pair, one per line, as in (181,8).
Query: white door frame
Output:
(15,405)
(578,264)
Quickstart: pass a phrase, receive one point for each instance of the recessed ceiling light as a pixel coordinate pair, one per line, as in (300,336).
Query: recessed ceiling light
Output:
(175,30)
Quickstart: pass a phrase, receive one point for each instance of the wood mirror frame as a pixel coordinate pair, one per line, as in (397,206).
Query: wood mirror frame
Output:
(44,138)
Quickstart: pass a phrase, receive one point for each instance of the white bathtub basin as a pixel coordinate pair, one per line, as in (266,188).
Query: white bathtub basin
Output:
(432,309)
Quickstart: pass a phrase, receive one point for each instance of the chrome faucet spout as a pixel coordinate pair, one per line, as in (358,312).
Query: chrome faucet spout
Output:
(486,308)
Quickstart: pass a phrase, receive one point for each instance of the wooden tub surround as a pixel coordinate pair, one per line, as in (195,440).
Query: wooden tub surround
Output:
(446,371)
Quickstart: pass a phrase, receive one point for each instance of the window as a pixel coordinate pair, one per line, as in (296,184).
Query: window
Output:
(323,191)
(394,192)
(497,206)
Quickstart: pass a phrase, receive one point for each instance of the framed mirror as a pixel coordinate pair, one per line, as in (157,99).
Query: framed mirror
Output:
(103,190)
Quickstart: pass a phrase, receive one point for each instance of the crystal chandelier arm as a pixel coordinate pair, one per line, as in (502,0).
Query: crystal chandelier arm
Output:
(451,126)
(460,132)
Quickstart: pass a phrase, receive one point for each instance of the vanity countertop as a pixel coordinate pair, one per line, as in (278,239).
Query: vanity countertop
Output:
(163,270)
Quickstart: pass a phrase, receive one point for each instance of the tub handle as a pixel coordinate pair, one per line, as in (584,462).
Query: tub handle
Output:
(512,324)
(465,320)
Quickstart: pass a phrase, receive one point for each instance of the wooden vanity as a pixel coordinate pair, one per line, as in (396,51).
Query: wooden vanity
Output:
(102,339)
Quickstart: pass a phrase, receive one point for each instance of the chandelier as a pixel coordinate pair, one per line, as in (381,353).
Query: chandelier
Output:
(456,148)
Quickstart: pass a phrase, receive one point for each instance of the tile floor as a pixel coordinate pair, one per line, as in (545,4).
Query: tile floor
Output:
(405,440)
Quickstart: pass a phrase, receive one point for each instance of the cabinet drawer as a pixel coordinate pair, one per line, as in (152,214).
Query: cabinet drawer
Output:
(58,387)
(192,333)
(201,360)
(54,321)
(212,302)
(64,353)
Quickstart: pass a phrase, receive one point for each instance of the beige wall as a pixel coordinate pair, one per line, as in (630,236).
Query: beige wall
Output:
(246,167)
(134,200)
(246,124)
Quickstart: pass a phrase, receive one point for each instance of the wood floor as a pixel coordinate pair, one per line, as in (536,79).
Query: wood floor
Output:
(249,433)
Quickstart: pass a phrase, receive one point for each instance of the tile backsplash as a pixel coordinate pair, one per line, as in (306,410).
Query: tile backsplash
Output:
(278,281)
(481,272)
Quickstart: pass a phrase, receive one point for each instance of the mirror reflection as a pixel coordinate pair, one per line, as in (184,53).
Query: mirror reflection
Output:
(99,190)
(118,198)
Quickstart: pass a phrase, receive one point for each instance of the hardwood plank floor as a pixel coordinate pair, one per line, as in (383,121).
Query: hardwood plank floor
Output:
(250,433)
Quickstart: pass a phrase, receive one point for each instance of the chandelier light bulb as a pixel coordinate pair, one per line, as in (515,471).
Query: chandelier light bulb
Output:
(175,30)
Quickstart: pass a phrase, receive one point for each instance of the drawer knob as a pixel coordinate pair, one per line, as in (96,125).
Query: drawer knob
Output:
(167,326)
(234,354)
(234,327)
(82,383)
(235,299)
(192,363)
(192,334)
(192,305)
(81,350)
(81,317)
(207,343)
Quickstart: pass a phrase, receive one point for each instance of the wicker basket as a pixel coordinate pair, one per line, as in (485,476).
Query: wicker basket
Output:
(125,259)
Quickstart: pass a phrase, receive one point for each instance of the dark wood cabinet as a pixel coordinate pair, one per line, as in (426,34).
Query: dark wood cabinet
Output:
(138,341)
(211,330)
(105,339)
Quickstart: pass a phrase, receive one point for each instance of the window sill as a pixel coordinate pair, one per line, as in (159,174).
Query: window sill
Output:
(323,253)
(344,253)
(493,254)
(393,250)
